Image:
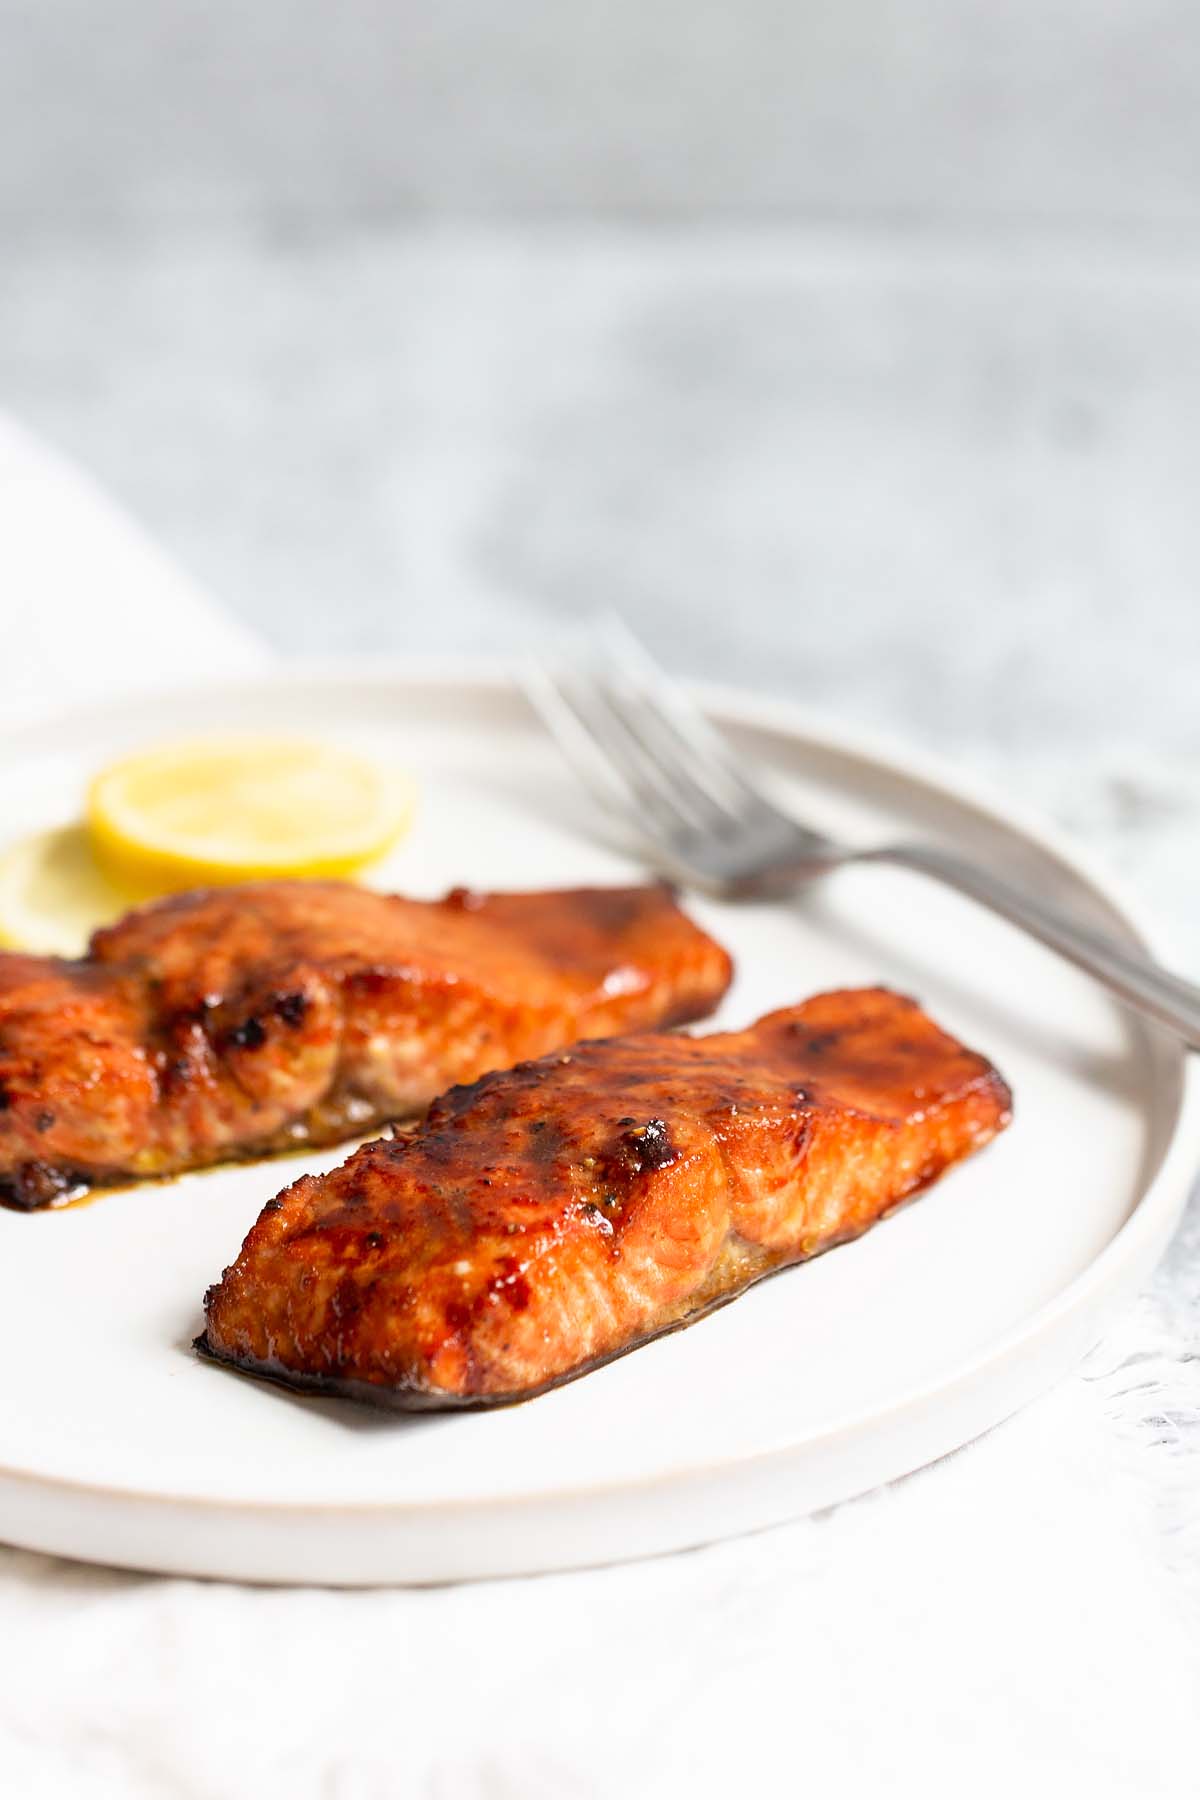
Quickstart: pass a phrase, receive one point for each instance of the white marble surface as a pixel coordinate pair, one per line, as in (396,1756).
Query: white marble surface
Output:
(942,486)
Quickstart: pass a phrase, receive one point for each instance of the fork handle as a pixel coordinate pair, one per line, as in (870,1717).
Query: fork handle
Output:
(1138,980)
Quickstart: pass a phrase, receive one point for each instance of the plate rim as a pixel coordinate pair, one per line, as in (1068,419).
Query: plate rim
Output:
(1128,1253)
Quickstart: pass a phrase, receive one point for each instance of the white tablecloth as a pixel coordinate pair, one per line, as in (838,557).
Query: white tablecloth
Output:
(1022,1614)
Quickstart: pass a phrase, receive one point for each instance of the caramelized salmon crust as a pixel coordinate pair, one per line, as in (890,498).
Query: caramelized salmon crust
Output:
(547,1218)
(237,1021)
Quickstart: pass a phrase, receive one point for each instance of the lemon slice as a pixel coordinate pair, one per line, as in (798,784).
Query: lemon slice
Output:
(53,895)
(237,809)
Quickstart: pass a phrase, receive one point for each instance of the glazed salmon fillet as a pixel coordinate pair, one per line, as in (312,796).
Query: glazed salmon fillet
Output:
(550,1217)
(236,1021)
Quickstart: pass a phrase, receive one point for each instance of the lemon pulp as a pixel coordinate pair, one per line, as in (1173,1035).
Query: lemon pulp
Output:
(236,809)
(53,895)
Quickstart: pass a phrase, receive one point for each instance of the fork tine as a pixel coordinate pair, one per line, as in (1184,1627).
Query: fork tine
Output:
(604,754)
(680,720)
(715,805)
(652,785)
(654,762)
(575,739)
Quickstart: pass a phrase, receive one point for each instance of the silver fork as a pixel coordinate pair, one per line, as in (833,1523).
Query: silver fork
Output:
(651,758)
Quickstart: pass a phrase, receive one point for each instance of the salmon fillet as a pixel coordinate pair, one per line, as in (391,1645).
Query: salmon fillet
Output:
(554,1215)
(238,1021)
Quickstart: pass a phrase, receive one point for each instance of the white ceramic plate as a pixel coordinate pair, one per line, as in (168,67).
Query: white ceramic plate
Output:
(118,1445)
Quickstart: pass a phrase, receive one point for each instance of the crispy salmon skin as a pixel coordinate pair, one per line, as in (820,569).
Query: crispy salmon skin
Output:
(551,1216)
(236,1021)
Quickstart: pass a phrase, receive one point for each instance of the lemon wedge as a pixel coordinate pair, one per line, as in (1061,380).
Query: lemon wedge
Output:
(238,809)
(53,895)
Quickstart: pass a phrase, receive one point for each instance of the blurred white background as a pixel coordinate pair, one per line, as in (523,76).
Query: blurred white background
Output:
(853,351)
(918,111)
